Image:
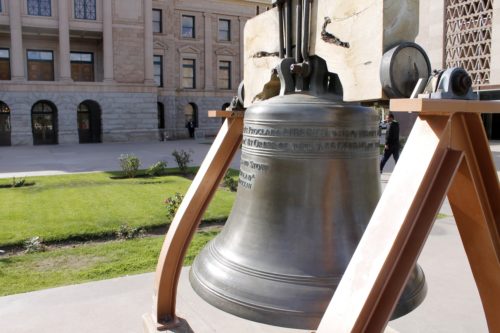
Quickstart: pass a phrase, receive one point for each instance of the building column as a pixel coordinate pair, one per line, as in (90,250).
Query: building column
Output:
(209,79)
(16,41)
(243,21)
(148,42)
(64,44)
(107,40)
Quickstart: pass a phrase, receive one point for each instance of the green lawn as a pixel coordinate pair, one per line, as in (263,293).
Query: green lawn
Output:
(96,261)
(83,206)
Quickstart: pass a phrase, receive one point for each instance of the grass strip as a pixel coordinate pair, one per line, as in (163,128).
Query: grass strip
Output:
(92,205)
(89,262)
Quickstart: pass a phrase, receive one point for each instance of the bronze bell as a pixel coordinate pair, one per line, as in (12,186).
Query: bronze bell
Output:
(309,183)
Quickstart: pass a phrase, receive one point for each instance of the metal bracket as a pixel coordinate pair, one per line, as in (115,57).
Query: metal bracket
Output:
(452,83)
(286,79)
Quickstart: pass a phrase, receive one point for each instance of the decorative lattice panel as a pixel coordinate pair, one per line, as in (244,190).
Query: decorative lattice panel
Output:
(468,37)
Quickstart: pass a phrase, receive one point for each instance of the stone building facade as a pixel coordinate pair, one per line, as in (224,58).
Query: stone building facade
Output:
(464,33)
(117,70)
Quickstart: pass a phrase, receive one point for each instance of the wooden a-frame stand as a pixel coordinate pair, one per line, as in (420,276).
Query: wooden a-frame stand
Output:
(447,153)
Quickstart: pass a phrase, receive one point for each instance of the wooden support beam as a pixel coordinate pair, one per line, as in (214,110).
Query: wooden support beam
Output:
(443,106)
(187,219)
(475,201)
(447,152)
(225,114)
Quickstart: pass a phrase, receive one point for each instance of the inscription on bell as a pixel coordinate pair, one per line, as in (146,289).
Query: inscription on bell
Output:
(318,147)
(317,141)
(248,170)
(249,164)
(309,132)
(246,179)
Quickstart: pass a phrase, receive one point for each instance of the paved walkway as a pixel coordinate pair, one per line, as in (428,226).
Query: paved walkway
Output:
(116,305)
(22,161)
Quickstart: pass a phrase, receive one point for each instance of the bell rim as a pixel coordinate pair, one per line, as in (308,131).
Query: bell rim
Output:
(252,311)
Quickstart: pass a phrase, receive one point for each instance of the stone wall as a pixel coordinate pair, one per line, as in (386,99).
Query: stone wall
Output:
(431,31)
(124,116)
(128,45)
(175,121)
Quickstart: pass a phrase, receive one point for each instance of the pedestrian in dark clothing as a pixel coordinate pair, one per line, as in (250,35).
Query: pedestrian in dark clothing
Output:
(391,141)
(190,127)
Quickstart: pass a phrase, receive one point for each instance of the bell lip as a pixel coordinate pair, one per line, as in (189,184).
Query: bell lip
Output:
(288,318)
(410,303)
(267,313)
(254,312)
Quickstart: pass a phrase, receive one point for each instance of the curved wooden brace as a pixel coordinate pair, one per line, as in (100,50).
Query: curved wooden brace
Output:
(188,217)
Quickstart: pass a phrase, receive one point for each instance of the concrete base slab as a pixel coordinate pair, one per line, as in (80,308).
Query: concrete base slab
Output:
(196,315)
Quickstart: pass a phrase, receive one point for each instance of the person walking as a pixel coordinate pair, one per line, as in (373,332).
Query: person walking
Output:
(391,141)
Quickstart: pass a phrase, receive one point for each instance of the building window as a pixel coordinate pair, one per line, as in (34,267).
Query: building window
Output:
(157,23)
(40,65)
(158,68)
(82,66)
(44,123)
(89,122)
(4,64)
(85,9)
(4,125)
(224,30)
(224,77)
(39,7)
(188,73)
(188,26)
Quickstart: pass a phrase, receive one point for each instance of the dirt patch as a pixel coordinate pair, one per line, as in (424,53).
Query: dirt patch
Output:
(16,186)
(149,232)
(69,262)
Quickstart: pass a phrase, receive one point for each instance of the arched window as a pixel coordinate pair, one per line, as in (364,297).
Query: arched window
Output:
(4,124)
(191,113)
(44,123)
(89,122)
(191,118)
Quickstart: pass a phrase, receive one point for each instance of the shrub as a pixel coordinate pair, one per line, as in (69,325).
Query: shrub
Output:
(230,183)
(18,182)
(34,244)
(172,203)
(157,169)
(127,232)
(129,164)
(182,158)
